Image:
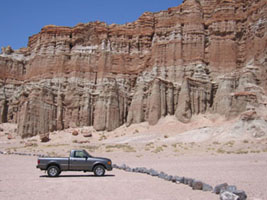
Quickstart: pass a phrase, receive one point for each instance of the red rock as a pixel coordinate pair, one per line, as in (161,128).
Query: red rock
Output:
(75,133)
(83,142)
(249,115)
(9,137)
(186,60)
(88,135)
(29,144)
(45,137)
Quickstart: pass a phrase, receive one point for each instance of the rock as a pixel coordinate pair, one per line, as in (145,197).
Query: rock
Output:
(115,166)
(7,50)
(168,178)
(138,169)
(153,172)
(188,181)
(183,111)
(88,135)
(228,196)
(162,175)
(123,167)
(128,169)
(197,185)
(136,113)
(9,136)
(29,144)
(179,179)
(145,170)
(258,133)
(155,103)
(207,187)
(219,188)
(135,169)
(223,98)
(75,133)
(231,188)
(38,101)
(83,142)
(241,194)
(44,138)
(248,116)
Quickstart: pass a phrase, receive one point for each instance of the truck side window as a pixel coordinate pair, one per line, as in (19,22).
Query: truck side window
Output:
(78,154)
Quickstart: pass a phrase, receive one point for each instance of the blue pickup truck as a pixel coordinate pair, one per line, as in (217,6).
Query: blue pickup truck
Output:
(79,160)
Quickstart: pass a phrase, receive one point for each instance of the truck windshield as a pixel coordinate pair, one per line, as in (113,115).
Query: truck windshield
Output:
(86,154)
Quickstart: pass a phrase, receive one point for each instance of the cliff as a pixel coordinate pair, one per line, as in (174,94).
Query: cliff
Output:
(204,56)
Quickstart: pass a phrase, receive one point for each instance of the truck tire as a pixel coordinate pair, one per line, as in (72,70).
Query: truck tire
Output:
(99,170)
(53,171)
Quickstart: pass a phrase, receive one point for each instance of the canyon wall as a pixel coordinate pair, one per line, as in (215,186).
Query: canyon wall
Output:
(204,56)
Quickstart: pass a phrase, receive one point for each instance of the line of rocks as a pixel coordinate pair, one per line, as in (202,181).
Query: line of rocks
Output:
(226,192)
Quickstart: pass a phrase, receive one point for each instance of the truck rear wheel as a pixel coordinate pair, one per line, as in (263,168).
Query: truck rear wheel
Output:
(53,171)
(99,170)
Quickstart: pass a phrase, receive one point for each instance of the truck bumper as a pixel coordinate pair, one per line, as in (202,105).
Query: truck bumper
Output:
(109,167)
(40,167)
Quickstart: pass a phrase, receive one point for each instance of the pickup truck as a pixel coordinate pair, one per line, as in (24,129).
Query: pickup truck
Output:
(79,160)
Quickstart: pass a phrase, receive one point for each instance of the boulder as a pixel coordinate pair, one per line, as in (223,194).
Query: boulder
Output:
(115,166)
(168,178)
(128,169)
(197,185)
(153,172)
(179,179)
(75,133)
(249,115)
(188,181)
(241,194)
(162,175)
(44,137)
(207,188)
(228,196)
(230,188)
(88,135)
(219,188)
(9,136)
(29,144)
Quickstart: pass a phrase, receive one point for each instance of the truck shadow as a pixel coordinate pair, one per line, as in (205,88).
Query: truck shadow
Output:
(78,176)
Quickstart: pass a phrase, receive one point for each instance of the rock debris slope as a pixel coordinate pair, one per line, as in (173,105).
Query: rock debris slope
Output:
(202,56)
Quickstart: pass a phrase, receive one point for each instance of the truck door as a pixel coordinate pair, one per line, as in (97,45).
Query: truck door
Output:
(80,162)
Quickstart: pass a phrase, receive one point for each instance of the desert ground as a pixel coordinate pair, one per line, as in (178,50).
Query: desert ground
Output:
(208,151)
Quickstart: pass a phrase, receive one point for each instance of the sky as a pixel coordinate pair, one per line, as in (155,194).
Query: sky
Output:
(20,19)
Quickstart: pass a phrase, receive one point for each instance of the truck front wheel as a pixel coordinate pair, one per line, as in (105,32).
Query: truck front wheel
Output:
(99,170)
(53,171)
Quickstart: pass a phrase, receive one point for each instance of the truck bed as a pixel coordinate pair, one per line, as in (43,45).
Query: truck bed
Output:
(63,162)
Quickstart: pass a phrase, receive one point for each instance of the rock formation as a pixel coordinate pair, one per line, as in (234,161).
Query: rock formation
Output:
(202,56)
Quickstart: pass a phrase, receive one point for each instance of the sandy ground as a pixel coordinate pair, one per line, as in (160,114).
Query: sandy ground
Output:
(20,179)
(209,149)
